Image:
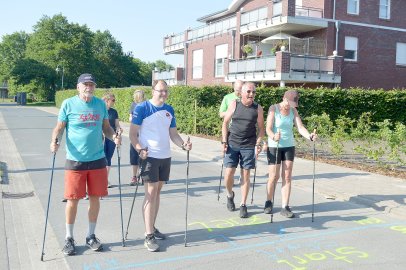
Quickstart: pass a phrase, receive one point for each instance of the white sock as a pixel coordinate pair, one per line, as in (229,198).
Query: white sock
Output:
(69,230)
(92,228)
(229,194)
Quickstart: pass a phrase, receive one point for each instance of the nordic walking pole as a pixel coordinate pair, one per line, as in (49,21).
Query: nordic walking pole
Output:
(119,188)
(221,176)
(187,189)
(49,199)
(314,171)
(135,193)
(276,180)
(255,174)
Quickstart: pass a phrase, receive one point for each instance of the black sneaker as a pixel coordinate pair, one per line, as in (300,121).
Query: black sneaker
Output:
(230,203)
(243,211)
(94,243)
(268,207)
(64,200)
(109,185)
(158,235)
(150,243)
(286,212)
(69,247)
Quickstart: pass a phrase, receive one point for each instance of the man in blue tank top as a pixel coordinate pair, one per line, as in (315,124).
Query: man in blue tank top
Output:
(241,141)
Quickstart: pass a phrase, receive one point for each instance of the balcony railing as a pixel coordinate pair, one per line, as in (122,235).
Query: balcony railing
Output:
(254,65)
(213,29)
(297,68)
(164,75)
(312,65)
(309,12)
(176,42)
(169,76)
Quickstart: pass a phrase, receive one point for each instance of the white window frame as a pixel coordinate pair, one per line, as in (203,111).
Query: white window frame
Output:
(219,61)
(353,4)
(351,44)
(277,9)
(384,9)
(400,54)
(197,64)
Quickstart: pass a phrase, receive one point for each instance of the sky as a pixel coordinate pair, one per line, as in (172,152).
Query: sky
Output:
(139,26)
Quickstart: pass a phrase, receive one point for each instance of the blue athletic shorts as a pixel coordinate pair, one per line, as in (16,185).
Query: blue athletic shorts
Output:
(244,156)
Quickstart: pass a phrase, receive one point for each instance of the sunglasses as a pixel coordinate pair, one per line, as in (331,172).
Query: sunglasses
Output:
(162,91)
(249,92)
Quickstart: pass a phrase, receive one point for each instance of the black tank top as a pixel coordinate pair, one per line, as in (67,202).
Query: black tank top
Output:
(243,131)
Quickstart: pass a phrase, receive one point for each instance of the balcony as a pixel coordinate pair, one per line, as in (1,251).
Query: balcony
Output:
(287,67)
(171,77)
(305,19)
(175,44)
(255,69)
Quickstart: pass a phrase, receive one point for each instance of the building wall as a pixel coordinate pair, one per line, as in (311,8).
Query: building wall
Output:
(209,54)
(375,67)
(376,64)
(313,3)
(369,13)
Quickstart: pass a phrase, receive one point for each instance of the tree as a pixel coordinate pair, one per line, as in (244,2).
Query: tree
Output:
(34,77)
(113,66)
(55,42)
(12,50)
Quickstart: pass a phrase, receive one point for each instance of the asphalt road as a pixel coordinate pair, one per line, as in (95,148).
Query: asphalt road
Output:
(344,235)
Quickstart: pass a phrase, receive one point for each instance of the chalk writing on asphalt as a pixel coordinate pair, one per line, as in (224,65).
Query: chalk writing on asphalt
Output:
(401,229)
(343,254)
(229,223)
(371,220)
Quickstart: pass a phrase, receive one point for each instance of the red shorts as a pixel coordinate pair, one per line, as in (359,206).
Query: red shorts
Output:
(76,182)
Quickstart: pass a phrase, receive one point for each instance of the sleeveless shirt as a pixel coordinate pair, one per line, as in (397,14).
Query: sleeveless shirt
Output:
(243,130)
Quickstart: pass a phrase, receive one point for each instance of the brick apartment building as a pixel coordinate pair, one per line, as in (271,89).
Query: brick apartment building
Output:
(350,43)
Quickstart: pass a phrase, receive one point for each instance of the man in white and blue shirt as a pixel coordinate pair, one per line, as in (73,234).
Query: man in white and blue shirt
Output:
(155,122)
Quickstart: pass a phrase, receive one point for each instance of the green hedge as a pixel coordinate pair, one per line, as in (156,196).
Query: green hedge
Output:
(197,108)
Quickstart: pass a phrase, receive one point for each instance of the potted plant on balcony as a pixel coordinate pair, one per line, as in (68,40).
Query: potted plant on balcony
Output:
(248,49)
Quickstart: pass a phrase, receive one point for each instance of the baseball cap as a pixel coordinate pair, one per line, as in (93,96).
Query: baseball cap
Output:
(293,97)
(86,77)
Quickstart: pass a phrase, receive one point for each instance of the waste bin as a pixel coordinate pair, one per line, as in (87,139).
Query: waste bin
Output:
(23,98)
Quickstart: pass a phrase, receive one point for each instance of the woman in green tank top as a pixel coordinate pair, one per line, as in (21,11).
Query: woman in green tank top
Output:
(281,146)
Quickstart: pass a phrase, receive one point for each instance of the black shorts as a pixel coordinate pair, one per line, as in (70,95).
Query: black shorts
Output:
(284,153)
(134,157)
(155,169)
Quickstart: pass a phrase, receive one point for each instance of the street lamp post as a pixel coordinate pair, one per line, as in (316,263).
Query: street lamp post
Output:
(58,69)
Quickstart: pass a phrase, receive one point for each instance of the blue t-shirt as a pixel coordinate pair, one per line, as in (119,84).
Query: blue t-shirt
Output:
(154,123)
(84,128)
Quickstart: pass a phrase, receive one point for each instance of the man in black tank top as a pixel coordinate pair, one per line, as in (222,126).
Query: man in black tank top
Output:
(241,142)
